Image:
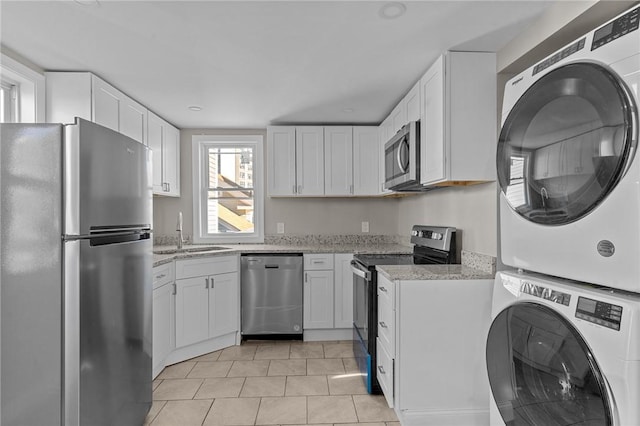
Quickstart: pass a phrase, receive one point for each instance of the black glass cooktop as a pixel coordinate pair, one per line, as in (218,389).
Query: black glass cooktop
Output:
(369,260)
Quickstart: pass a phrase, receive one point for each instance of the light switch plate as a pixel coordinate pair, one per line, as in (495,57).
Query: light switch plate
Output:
(365,226)
(280,228)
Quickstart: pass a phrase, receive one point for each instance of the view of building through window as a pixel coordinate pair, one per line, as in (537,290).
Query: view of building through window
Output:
(230,192)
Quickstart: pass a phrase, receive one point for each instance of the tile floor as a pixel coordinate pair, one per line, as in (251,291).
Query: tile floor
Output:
(268,383)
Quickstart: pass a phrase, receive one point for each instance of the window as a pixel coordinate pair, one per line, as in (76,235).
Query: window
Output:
(8,102)
(228,201)
(21,92)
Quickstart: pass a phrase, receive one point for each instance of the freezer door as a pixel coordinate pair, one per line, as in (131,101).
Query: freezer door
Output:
(108,294)
(107,179)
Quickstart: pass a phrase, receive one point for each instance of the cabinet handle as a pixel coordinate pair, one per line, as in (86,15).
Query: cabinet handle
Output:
(305,277)
(213,283)
(383,289)
(317,261)
(175,289)
(381,370)
(168,187)
(160,276)
(206,285)
(382,324)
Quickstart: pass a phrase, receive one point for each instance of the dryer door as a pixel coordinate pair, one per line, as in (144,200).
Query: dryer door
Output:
(566,143)
(542,372)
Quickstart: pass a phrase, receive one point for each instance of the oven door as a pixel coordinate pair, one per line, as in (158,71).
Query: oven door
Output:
(364,322)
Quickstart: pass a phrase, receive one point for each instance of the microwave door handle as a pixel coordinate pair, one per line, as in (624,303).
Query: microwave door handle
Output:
(403,143)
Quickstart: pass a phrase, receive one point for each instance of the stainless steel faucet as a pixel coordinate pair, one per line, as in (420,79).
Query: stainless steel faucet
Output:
(179,229)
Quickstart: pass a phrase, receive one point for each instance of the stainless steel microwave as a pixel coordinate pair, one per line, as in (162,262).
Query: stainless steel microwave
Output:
(402,159)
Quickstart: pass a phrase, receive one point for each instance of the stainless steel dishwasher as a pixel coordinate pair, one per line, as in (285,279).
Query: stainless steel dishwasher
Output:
(271,294)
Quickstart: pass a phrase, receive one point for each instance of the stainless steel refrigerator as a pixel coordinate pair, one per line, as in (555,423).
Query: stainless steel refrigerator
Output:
(75,279)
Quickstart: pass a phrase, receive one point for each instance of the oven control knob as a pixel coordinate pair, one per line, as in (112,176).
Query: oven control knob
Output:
(415,233)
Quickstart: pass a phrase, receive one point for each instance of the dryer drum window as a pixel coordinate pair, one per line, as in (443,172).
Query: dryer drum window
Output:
(566,143)
(542,372)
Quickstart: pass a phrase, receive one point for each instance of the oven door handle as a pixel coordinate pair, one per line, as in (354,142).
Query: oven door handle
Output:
(359,272)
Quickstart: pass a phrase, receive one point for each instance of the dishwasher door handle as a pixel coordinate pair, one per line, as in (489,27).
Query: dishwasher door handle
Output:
(271,266)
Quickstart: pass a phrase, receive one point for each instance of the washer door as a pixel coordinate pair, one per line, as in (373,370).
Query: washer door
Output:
(566,143)
(542,372)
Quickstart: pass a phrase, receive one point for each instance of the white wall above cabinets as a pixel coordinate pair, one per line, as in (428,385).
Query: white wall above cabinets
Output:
(458,120)
(315,161)
(85,95)
(164,141)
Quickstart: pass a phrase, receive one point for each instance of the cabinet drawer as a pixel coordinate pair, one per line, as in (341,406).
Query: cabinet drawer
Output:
(318,262)
(385,372)
(386,326)
(386,291)
(163,274)
(206,266)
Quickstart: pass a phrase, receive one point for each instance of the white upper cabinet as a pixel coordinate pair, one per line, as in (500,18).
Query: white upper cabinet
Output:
(458,120)
(338,165)
(295,157)
(412,102)
(310,160)
(398,117)
(281,159)
(84,95)
(164,141)
(366,157)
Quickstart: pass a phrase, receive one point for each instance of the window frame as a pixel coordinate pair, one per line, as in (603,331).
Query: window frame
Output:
(199,145)
(30,86)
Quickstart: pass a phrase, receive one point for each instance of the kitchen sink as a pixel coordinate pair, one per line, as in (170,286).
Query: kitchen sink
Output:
(190,250)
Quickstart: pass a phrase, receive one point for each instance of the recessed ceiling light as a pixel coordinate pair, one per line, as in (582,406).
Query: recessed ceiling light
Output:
(195,108)
(392,10)
(348,110)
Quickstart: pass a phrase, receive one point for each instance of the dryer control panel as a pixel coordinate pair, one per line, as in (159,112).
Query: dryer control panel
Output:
(615,29)
(601,313)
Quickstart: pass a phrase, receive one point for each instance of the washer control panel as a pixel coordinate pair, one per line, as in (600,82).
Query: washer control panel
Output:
(601,313)
(615,29)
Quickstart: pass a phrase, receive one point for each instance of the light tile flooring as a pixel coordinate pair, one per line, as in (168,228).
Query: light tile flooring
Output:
(268,383)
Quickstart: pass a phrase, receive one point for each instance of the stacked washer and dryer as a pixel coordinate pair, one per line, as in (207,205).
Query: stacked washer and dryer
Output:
(564,344)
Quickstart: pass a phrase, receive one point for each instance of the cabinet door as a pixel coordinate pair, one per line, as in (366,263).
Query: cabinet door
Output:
(192,310)
(171,160)
(338,165)
(412,101)
(398,117)
(107,102)
(385,134)
(281,158)
(366,158)
(156,136)
(223,304)
(432,142)
(133,120)
(343,289)
(163,325)
(310,160)
(318,299)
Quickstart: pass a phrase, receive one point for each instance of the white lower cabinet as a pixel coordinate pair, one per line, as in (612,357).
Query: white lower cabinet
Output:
(430,347)
(197,314)
(163,319)
(328,296)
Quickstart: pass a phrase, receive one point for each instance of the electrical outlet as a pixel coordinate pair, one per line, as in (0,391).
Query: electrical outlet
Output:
(365,226)
(280,228)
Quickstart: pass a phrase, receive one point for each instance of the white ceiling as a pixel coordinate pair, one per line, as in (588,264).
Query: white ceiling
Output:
(250,64)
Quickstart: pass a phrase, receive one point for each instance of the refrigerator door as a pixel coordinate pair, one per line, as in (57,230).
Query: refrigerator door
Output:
(107,180)
(30,274)
(108,294)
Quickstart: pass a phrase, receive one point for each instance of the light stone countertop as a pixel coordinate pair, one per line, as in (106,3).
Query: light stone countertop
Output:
(234,249)
(433,272)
